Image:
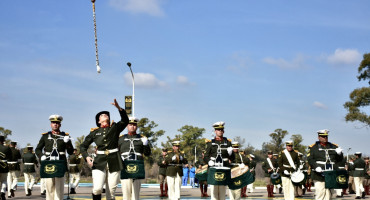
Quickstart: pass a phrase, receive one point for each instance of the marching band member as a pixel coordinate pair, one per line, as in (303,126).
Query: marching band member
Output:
(29,162)
(14,169)
(358,168)
(5,154)
(238,160)
(269,166)
(74,170)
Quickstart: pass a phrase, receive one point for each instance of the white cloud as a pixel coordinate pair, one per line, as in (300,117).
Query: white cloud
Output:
(344,56)
(296,63)
(144,80)
(183,80)
(150,7)
(319,105)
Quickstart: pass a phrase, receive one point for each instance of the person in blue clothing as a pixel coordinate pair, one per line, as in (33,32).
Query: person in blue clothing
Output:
(192,175)
(185,177)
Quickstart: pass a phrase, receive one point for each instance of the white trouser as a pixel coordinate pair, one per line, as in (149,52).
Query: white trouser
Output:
(54,188)
(101,177)
(339,192)
(321,193)
(250,187)
(74,179)
(13,180)
(130,188)
(235,194)
(288,188)
(358,185)
(42,185)
(174,187)
(218,192)
(29,181)
(3,177)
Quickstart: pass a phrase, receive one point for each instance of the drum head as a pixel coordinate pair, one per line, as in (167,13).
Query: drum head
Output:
(238,171)
(297,177)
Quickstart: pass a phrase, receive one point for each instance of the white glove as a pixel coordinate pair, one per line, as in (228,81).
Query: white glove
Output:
(211,163)
(173,158)
(144,140)
(300,166)
(286,172)
(180,157)
(318,169)
(229,150)
(43,158)
(241,165)
(66,138)
(123,157)
(339,150)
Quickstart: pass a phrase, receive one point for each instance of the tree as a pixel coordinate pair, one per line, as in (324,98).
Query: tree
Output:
(276,144)
(360,97)
(5,133)
(297,141)
(240,140)
(145,127)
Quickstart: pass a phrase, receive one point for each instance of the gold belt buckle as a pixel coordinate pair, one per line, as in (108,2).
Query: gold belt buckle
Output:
(106,152)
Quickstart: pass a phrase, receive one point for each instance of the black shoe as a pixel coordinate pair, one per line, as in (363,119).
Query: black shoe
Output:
(363,195)
(358,197)
(73,191)
(2,195)
(12,193)
(29,191)
(280,190)
(103,190)
(9,197)
(43,193)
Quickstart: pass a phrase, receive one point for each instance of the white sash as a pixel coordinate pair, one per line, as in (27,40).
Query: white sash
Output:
(270,163)
(289,157)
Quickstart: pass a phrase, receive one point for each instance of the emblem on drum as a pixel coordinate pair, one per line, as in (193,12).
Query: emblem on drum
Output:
(341,179)
(50,169)
(131,168)
(237,183)
(219,176)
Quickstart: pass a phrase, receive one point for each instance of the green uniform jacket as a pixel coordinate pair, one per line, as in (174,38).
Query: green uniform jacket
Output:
(211,150)
(13,163)
(174,167)
(46,145)
(358,167)
(316,153)
(252,166)
(29,161)
(266,166)
(5,154)
(138,147)
(367,171)
(284,163)
(106,139)
(74,161)
(162,166)
(237,159)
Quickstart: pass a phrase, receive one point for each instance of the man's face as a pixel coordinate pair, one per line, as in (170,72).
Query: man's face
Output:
(103,118)
(323,138)
(219,132)
(55,126)
(289,147)
(269,155)
(235,149)
(75,152)
(164,153)
(175,148)
(132,128)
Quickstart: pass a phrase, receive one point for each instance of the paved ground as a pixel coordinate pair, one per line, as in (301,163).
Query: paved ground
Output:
(153,193)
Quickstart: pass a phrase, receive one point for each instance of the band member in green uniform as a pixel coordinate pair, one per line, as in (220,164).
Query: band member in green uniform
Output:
(288,163)
(29,162)
(53,146)
(74,170)
(107,164)
(269,166)
(162,173)
(202,177)
(367,176)
(323,155)
(218,154)
(358,168)
(5,154)
(14,169)
(174,160)
(237,160)
(351,182)
(132,146)
(252,169)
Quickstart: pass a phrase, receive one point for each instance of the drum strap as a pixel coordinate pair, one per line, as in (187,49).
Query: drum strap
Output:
(270,163)
(289,157)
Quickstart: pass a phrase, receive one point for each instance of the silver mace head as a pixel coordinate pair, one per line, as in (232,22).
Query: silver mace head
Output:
(129,64)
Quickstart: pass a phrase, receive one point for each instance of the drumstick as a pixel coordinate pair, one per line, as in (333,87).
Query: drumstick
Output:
(96,39)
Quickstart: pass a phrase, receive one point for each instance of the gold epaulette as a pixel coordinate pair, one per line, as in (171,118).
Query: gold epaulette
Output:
(44,133)
(296,151)
(312,145)
(230,140)
(93,129)
(121,135)
(143,136)
(182,152)
(335,145)
(67,133)
(207,140)
(169,151)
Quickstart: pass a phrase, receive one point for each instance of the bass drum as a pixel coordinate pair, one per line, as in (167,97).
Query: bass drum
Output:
(275,178)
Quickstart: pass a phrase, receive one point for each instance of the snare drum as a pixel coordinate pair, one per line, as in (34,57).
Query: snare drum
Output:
(202,173)
(275,178)
(336,179)
(53,168)
(297,177)
(219,176)
(240,177)
(133,169)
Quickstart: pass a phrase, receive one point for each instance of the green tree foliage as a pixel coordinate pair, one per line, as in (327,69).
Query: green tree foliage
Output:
(145,127)
(240,140)
(360,97)
(276,143)
(297,141)
(5,133)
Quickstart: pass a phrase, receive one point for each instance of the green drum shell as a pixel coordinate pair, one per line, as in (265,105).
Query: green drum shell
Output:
(53,168)
(336,179)
(276,181)
(202,176)
(241,181)
(133,169)
(219,176)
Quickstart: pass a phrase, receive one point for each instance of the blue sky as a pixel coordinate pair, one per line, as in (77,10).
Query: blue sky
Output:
(257,65)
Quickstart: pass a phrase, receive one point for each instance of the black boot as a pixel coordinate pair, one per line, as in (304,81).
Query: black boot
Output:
(96,197)
(29,192)
(73,191)
(3,196)
(12,193)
